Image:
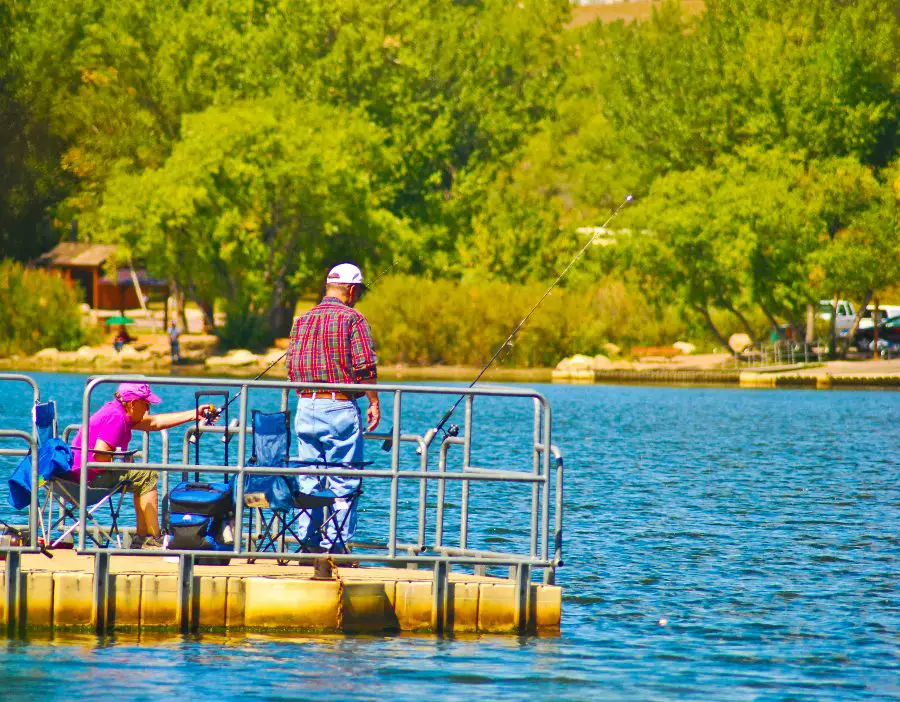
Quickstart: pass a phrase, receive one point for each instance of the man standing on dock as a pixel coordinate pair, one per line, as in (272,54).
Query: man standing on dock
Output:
(332,343)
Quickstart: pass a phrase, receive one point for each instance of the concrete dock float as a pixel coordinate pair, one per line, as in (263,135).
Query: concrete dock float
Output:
(148,593)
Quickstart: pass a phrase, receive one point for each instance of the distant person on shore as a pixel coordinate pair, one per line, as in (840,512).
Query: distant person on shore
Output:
(332,343)
(122,338)
(174,333)
(109,429)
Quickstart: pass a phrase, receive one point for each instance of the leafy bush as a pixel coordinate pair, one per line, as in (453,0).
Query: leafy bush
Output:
(424,322)
(244,330)
(38,310)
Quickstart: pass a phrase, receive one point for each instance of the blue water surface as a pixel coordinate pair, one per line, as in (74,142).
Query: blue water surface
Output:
(720,544)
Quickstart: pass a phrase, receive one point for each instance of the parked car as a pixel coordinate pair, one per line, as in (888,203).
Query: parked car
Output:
(867,320)
(888,331)
(843,320)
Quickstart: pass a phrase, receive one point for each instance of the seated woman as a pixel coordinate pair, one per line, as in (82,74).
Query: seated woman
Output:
(109,429)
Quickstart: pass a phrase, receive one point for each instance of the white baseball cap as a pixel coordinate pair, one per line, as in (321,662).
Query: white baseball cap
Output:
(345,274)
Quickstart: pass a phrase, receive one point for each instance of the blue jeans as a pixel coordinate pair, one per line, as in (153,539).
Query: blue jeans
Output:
(329,431)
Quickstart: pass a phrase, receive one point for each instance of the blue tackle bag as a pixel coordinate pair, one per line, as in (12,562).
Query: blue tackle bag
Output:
(197,514)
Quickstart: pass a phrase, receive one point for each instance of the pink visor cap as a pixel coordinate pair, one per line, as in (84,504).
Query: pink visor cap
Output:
(137,391)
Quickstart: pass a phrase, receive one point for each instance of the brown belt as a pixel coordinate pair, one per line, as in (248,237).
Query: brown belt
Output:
(325,395)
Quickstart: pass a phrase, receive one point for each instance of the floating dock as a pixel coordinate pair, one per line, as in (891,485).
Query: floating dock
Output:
(150,593)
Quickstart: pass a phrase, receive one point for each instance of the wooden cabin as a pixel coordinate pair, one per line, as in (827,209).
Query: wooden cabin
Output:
(104,286)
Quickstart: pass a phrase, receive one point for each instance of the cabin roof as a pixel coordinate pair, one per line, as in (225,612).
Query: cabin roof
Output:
(70,253)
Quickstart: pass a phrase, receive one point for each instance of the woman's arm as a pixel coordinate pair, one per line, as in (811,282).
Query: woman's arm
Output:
(167,420)
(101,445)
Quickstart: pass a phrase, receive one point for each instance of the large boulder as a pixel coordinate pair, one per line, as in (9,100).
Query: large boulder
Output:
(576,363)
(575,368)
(198,342)
(47,354)
(611,349)
(739,342)
(129,354)
(87,354)
(601,362)
(234,359)
(273,356)
(685,347)
(68,358)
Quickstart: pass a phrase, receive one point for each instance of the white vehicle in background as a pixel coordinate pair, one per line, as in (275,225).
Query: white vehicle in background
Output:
(884,312)
(843,320)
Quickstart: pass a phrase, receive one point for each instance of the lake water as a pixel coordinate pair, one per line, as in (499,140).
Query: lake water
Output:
(720,544)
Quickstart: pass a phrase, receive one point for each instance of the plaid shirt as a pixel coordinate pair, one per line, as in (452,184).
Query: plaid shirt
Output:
(332,343)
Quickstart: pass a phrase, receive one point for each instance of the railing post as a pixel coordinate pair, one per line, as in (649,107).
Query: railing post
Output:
(423,493)
(185,593)
(239,490)
(536,470)
(440,596)
(83,477)
(467,460)
(523,596)
(442,487)
(13,587)
(101,591)
(395,481)
(545,501)
(165,460)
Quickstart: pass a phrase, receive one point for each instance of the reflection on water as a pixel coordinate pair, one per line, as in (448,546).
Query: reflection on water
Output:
(720,544)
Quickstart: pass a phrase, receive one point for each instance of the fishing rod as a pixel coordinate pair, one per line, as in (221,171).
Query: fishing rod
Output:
(453,429)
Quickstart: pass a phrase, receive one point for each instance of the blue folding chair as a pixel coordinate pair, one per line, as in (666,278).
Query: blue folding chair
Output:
(62,489)
(296,512)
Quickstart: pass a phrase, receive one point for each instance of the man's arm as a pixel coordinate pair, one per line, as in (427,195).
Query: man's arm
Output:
(373,414)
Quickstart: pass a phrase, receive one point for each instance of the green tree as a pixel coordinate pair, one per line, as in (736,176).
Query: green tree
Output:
(30,173)
(254,203)
(861,256)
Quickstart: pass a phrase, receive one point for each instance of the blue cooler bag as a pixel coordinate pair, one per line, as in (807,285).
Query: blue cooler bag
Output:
(196,515)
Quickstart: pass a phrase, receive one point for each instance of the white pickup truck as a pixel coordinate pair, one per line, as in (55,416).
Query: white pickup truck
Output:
(843,320)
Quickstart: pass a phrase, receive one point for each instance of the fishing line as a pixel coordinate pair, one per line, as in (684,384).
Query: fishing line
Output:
(454,429)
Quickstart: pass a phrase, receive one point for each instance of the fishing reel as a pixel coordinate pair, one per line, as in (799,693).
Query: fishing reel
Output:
(211,415)
(452,430)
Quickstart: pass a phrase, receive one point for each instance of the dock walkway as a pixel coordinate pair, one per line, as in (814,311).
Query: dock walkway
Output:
(144,593)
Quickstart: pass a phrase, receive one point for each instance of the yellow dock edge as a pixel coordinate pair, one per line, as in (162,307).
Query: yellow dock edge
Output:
(821,381)
(363,600)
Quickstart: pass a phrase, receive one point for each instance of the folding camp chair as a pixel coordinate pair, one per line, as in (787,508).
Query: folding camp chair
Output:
(302,510)
(62,491)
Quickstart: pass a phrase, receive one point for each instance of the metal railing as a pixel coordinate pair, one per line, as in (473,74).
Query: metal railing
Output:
(778,353)
(32,445)
(540,477)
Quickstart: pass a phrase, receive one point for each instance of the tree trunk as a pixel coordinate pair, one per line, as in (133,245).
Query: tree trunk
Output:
(704,312)
(875,320)
(281,317)
(810,323)
(743,320)
(209,320)
(855,325)
(832,328)
(772,321)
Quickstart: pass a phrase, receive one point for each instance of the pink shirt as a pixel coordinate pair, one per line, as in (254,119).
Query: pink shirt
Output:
(109,423)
